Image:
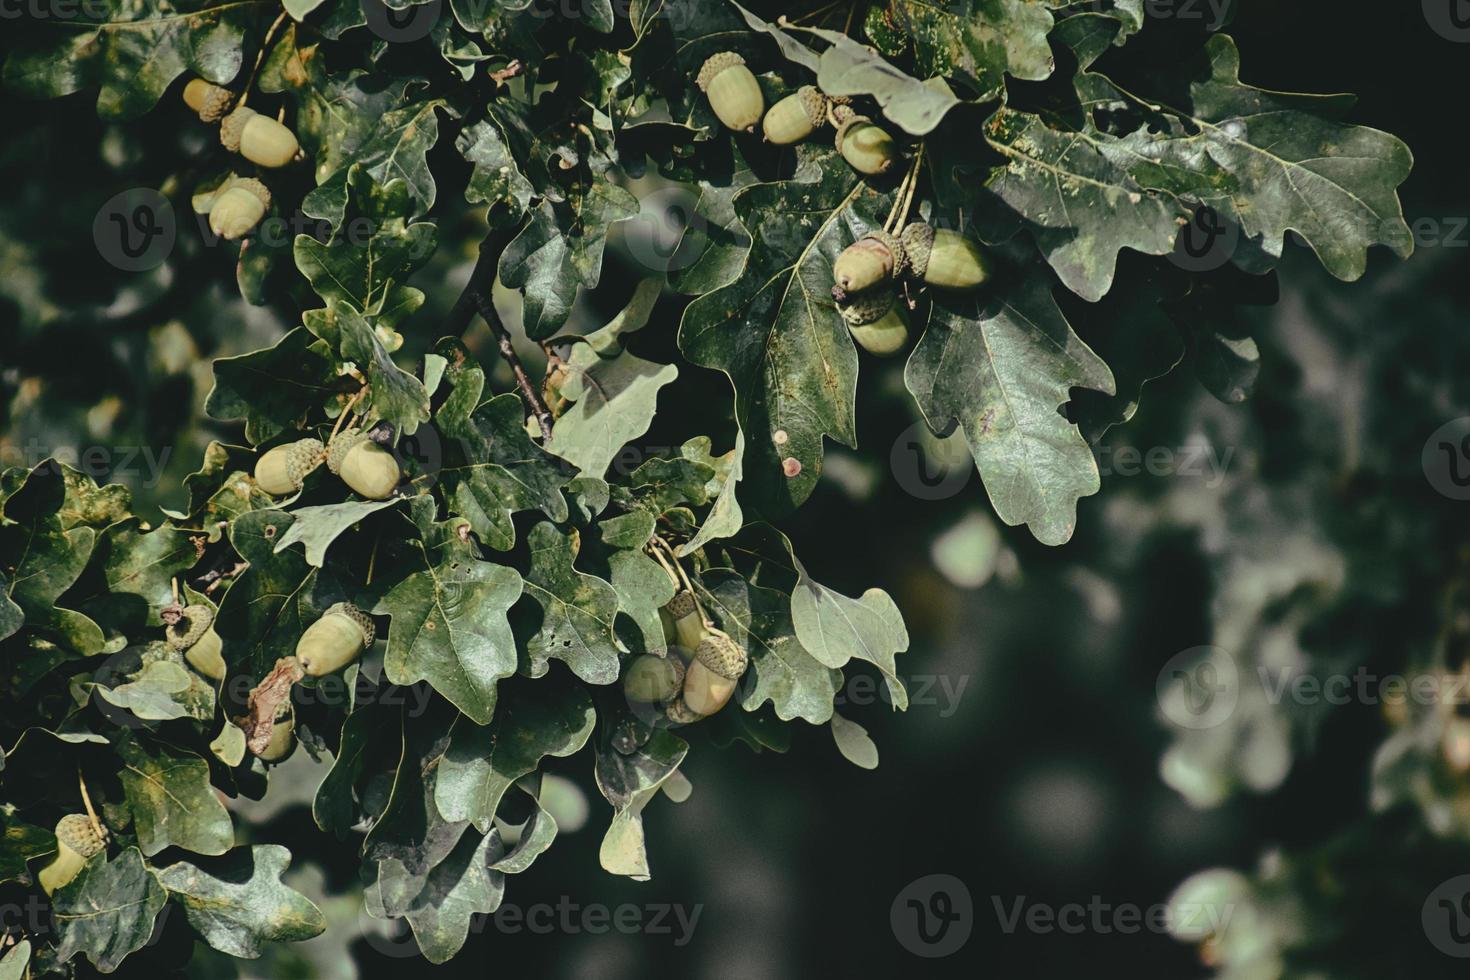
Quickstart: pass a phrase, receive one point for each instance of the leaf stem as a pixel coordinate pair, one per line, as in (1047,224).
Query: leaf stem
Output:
(87,802)
(260,55)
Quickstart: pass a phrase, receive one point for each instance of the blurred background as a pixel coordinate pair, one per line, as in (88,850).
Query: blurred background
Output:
(1038,765)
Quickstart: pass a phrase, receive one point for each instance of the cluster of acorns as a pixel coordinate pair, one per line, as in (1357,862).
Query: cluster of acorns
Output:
(687,692)
(241,204)
(866,273)
(353,455)
(736,98)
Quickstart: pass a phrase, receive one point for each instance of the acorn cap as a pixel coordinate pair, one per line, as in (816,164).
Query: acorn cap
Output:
(722,656)
(77,832)
(680,714)
(866,307)
(260,191)
(232,126)
(814,103)
(341,445)
(362,619)
(210,101)
(918,240)
(715,64)
(306,454)
(681,605)
(193,623)
(842,111)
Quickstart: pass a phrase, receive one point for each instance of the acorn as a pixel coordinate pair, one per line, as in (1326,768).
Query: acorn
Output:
(335,640)
(866,146)
(945,259)
(284,469)
(795,117)
(194,634)
(210,101)
(689,629)
(680,713)
(259,139)
(713,674)
(872,259)
(876,321)
(651,679)
(283,735)
(733,92)
(77,839)
(238,208)
(363,465)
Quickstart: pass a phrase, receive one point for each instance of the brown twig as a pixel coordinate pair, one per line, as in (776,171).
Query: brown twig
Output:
(477,298)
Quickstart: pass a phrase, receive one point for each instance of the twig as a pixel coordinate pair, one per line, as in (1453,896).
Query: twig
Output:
(684,578)
(905,195)
(477,298)
(87,802)
(346,411)
(260,56)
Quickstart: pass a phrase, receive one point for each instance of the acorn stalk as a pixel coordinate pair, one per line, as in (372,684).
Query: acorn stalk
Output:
(335,640)
(364,465)
(77,840)
(284,469)
(733,92)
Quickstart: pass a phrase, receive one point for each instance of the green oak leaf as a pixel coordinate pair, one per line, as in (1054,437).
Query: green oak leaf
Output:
(363,737)
(394,395)
(548,717)
(19,843)
(459,887)
(108,910)
(796,683)
(395,148)
(978,41)
(13,965)
(171,800)
(577,610)
(535,837)
(43,559)
(497,179)
(775,331)
(318,526)
(628,782)
(559,250)
(131,51)
(853,742)
(1001,366)
(449,626)
(270,605)
(274,390)
(613,402)
(138,567)
(239,903)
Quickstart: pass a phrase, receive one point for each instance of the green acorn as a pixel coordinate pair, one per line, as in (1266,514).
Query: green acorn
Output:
(194,634)
(795,117)
(866,146)
(363,465)
(210,101)
(733,92)
(238,208)
(283,735)
(713,674)
(335,640)
(653,680)
(876,321)
(876,257)
(259,139)
(945,259)
(689,629)
(77,840)
(282,470)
